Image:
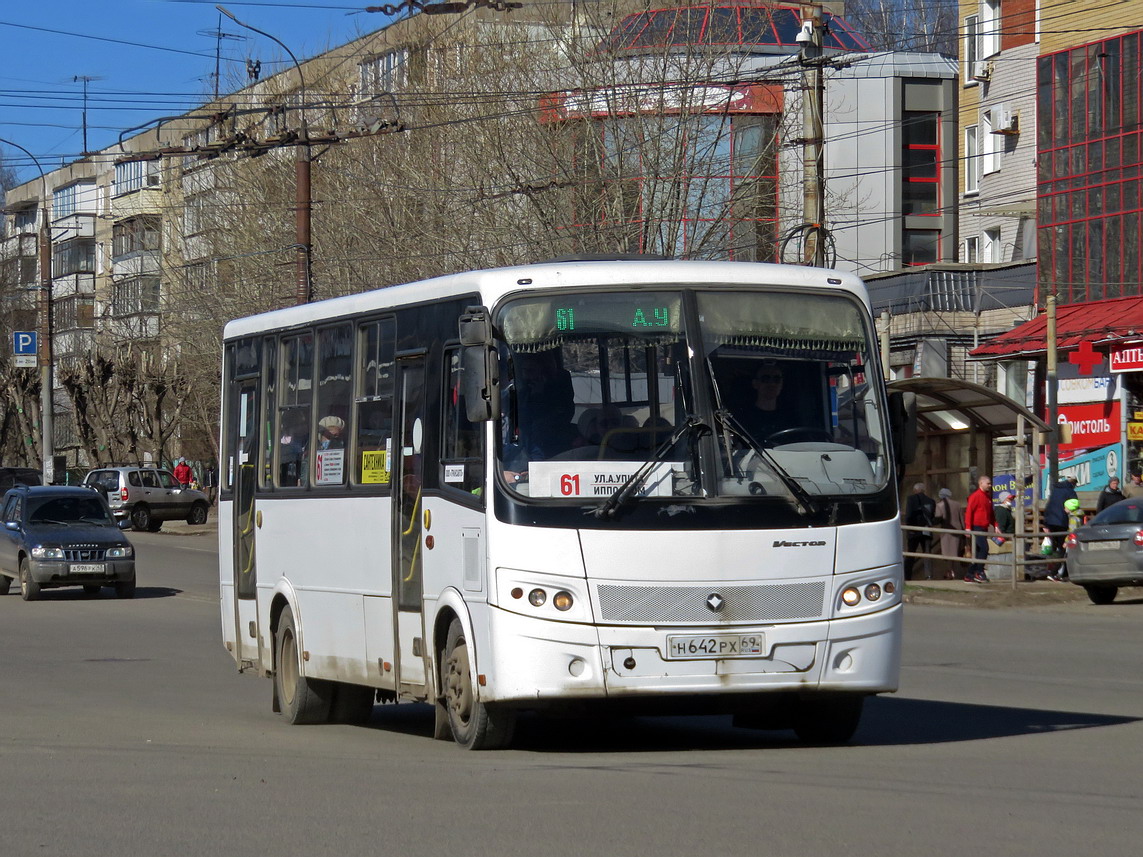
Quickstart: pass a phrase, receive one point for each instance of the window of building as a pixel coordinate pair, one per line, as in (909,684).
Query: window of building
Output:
(24,220)
(76,256)
(920,159)
(920,246)
(387,72)
(971,160)
(971,48)
(75,312)
(374,401)
(702,187)
(972,250)
(135,295)
(989,150)
(135,235)
(136,175)
(992,253)
(989,28)
(194,209)
(76,198)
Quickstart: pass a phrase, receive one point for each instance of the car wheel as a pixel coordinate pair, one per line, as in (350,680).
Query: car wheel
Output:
(197,516)
(125,589)
(5,584)
(828,720)
(302,700)
(29,589)
(92,588)
(1101,594)
(475,726)
(140,517)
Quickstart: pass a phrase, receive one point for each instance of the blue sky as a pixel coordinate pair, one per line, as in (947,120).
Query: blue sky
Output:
(146,58)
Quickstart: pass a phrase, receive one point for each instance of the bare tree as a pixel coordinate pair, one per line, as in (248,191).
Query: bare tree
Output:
(906,25)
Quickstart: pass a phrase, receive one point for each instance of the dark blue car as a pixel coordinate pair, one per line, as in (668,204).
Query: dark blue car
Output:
(56,536)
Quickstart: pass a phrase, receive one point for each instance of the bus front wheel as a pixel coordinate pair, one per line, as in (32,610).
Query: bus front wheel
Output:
(475,726)
(302,700)
(828,719)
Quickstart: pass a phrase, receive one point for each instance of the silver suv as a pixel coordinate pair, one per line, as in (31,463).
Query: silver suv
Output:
(148,496)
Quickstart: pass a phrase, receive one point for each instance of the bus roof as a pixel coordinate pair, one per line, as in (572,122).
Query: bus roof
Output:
(493,283)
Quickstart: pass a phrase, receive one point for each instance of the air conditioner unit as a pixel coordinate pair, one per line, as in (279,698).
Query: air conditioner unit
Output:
(1005,120)
(982,70)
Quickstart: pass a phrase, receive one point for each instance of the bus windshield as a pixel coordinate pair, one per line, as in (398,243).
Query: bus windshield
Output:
(596,386)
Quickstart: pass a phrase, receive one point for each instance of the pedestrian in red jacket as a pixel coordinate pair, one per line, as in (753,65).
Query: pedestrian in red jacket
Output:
(980,517)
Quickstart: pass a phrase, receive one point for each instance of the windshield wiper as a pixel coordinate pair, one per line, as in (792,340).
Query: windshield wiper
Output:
(634,482)
(803,503)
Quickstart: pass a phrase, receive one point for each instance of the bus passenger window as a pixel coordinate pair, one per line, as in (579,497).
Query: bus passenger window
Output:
(462,452)
(295,394)
(335,355)
(373,403)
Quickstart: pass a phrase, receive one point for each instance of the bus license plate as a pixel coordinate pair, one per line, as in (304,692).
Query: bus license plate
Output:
(716,646)
(88,568)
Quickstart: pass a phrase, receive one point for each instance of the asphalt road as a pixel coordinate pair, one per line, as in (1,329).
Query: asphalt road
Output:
(125,730)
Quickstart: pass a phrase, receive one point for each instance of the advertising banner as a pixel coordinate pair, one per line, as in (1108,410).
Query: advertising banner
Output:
(1091,425)
(1092,469)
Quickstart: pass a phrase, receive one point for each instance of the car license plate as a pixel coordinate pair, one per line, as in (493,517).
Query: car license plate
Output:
(1103,546)
(88,568)
(716,646)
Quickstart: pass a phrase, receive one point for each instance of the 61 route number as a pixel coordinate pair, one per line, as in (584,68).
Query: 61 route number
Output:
(569,484)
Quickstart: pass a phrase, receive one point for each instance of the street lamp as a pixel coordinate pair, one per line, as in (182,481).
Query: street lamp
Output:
(44,246)
(303,197)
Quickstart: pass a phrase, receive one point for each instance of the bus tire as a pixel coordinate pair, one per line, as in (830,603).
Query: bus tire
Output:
(302,700)
(828,719)
(352,704)
(475,726)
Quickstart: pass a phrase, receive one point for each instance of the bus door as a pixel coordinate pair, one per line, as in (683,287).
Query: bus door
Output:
(244,432)
(407,523)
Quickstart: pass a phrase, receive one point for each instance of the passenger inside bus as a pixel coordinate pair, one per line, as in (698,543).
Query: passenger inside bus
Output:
(331,433)
(544,407)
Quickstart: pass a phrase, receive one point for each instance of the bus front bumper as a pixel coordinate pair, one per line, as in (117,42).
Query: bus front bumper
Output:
(538,661)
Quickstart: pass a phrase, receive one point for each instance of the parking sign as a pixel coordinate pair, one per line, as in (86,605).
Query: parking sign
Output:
(24,347)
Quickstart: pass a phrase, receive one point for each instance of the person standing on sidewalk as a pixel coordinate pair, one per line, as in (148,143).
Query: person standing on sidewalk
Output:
(1110,495)
(920,510)
(980,517)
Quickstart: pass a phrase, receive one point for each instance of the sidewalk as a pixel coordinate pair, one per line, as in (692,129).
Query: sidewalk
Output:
(957,593)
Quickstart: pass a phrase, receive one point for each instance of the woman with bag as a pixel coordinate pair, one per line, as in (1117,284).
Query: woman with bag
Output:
(949,515)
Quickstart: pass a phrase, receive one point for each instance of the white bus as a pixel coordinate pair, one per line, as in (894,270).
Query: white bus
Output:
(661,486)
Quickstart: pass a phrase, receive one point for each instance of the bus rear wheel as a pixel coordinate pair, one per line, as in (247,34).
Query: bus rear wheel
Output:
(828,719)
(475,725)
(302,700)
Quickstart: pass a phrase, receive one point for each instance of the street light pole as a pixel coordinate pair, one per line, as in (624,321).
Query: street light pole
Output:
(44,248)
(303,194)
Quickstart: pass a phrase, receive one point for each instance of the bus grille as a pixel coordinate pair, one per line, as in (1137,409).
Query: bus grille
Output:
(653,605)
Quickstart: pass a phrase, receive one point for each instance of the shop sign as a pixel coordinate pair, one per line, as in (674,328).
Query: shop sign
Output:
(1126,358)
(1091,469)
(1086,388)
(1091,425)
(1135,431)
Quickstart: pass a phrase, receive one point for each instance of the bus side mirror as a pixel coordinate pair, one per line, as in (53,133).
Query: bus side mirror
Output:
(479,367)
(903,424)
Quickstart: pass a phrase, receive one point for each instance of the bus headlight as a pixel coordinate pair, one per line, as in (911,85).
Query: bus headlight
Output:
(850,597)
(872,592)
(537,597)
(563,601)
(541,596)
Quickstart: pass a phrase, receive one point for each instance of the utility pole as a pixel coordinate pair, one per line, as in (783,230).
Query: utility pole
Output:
(44,247)
(1053,406)
(813,134)
(303,195)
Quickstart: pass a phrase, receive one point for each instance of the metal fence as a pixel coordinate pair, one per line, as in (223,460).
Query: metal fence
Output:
(1027,560)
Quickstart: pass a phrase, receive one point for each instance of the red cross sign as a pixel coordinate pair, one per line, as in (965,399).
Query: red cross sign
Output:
(1086,358)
